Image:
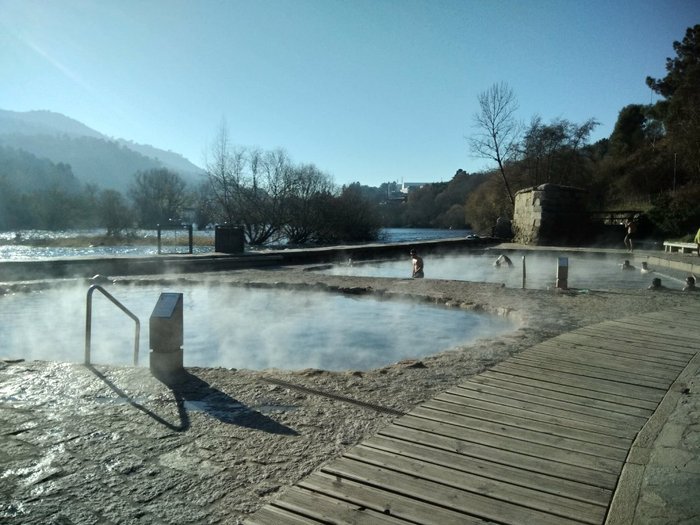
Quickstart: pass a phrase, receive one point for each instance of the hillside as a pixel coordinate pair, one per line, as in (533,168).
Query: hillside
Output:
(93,157)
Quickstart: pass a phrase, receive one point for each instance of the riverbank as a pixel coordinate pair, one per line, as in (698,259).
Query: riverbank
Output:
(116,445)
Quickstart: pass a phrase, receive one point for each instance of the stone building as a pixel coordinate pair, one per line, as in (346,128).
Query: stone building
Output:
(550,214)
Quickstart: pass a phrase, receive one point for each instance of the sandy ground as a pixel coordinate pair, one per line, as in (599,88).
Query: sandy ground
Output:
(114,445)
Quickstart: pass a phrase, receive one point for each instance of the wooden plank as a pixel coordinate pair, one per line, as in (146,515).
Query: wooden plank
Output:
(586,345)
(618,330)
(521,433)
(270,515)
(626,345)
(517,476)
(373,497)
(678,316)
(325,509)
(522,396)
(670,326)
(477,484)
(606,360)
(674,323)
(592,364)
(636,396)
(551,362)
(438,494)
(540,450)
(643,362)
(519,420)
(644,340)
(505,405)
(659,340)
(651,353)
(581,474)
(621,404)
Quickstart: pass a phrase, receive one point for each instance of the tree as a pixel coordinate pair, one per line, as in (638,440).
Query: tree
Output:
(114,213)
(630,132)
(159,195)
(348,217)
(224,167)
(205,209)
(485,206)
(499,131)
(307,188)
(264,196)
(250,187)
(553,152)
(681,107)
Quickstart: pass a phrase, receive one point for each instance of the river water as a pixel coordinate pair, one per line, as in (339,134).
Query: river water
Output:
(10,249)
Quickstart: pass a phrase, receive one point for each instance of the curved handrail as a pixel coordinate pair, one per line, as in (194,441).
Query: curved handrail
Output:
(88,322)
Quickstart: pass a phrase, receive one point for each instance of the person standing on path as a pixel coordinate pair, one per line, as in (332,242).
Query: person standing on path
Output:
(417,264)
(630,229)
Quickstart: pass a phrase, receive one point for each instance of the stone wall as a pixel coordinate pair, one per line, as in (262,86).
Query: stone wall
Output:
(550,214)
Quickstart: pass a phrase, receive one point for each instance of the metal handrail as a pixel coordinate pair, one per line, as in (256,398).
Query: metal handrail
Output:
(88,322)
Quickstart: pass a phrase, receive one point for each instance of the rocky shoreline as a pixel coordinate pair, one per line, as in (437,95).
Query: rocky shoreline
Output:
(114,445)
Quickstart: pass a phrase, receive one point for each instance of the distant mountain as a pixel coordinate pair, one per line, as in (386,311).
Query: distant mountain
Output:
(172,160)
(43,123)
(93,157)
(21,172)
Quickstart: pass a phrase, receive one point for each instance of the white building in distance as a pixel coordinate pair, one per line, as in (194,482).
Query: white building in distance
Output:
(406,187)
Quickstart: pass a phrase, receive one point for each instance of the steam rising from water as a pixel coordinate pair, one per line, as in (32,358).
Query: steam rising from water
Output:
(241,328)
(585,271)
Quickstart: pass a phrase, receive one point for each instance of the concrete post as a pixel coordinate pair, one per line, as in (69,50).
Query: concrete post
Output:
(166,338)
(563,273)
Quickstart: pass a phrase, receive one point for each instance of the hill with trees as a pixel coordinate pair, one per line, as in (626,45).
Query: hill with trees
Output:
(93,157)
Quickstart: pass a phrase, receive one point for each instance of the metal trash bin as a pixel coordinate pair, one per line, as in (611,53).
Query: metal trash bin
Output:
(228,239)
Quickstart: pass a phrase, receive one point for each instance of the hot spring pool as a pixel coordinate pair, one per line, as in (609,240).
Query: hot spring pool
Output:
(595,272)
(237,327)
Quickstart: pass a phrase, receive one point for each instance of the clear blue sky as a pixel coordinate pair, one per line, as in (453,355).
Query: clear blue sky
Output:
(368,90)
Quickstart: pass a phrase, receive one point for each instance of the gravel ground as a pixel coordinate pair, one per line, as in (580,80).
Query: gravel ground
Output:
(114,445)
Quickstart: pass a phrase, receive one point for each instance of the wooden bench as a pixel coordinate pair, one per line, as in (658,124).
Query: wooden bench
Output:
(682,247)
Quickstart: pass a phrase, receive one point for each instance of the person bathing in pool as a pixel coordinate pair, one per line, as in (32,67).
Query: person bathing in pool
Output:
(503,260)
(627,266)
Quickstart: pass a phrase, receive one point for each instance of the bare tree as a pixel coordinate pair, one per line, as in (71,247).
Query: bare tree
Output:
(224,167)
(265,194)
(499,131)
(307,187)
(249,187)
(159,195)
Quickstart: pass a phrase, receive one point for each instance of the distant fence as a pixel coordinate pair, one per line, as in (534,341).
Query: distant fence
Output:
(176,227)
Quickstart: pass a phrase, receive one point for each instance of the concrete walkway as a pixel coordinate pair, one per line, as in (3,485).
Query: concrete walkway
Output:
(562,433)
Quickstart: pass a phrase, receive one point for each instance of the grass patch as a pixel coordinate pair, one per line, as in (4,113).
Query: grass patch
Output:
(89,241)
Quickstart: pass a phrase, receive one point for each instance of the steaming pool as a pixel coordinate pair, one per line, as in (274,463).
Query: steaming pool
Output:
(234,327)
(586,271)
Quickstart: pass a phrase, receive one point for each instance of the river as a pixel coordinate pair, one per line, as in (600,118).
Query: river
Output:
(28,246)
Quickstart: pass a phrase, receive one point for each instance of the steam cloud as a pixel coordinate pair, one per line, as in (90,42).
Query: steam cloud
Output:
(240,327)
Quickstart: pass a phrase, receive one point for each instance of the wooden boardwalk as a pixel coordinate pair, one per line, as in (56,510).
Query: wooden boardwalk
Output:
(539,439)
